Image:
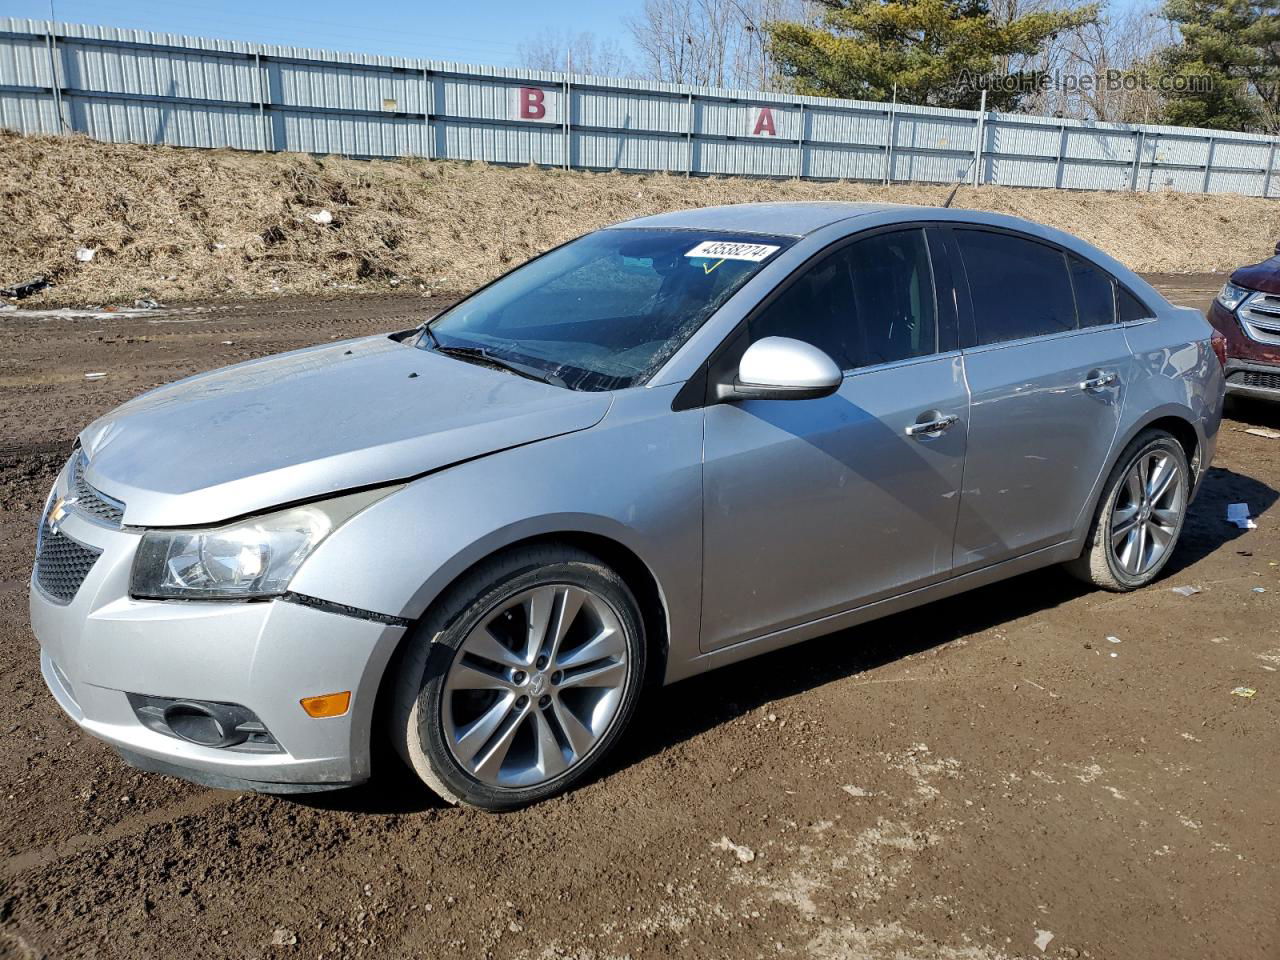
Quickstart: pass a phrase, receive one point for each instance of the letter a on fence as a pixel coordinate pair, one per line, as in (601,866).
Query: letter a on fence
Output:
(764,125)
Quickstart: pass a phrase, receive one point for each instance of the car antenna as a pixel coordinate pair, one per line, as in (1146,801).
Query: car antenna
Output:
(952,195)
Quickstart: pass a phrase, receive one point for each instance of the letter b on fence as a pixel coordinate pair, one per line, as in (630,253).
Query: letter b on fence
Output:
(530,104)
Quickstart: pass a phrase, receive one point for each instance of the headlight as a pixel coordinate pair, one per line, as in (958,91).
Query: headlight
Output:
(1231,296)
(252,558)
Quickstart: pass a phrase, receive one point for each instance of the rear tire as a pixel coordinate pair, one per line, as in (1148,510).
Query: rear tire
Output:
(520,678)
(1139,517)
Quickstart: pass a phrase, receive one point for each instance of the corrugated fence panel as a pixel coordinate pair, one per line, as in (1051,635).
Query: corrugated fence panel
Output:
(25,63)
(930,168)
(152,87)
(752,157)
(845,126)
(28,113)
(175,124)
(630,111)
(616,151)
(1019,171)
(1032,140)
(104,68)
(1226,181)
(1241,154)
(531,103)
(339,87)
(844,163)
(763,122)
(1084,143)
(918,132)
(311,132)
(504,144)
(1082,175)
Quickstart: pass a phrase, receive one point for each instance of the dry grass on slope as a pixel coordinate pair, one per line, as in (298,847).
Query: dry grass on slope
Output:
(197,224)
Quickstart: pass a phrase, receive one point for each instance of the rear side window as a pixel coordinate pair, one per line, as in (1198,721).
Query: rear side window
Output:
(1019,288)
(1131,308)
(1095,294)
(870,302)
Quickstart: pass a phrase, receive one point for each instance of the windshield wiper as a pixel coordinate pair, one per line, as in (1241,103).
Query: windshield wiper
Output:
(481,355)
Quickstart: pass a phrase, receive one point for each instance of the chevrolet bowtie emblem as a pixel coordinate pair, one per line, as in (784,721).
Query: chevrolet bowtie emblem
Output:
(58,513)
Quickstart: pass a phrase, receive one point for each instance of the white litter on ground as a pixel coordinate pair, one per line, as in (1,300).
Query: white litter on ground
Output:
(743,853)
(1238,513)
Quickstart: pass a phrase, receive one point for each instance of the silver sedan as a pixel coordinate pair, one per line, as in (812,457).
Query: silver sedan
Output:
(660,448)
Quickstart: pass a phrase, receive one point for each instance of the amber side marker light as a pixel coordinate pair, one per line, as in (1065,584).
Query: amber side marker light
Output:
(327,704)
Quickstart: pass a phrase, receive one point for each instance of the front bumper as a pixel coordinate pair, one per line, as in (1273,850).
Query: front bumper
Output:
(1246,378)
(102,646)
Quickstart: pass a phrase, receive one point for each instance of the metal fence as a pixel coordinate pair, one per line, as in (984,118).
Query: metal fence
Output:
(135,86)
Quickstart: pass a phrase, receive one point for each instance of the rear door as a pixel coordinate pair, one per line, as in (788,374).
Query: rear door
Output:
(812,507)
(1047,368)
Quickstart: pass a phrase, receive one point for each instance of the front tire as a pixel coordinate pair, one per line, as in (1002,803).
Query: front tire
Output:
(1139,517)
(520,678)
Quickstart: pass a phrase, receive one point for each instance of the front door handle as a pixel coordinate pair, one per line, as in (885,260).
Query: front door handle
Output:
(937,425)
(1098,382)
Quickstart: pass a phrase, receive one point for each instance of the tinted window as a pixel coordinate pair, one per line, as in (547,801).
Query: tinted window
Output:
(870,302)
(1095,296)
(1131,308)
(1019,288)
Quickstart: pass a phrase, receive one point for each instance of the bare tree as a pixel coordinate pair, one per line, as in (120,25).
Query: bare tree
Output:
(582,52)
(1084,68)
(720,43)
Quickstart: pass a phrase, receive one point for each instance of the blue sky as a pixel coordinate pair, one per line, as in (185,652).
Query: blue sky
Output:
(477,32)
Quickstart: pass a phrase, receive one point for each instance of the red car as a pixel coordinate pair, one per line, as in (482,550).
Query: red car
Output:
(1246,312)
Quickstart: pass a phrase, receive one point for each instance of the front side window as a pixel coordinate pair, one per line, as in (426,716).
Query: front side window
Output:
(1019,288)
(869,302)
(607,310)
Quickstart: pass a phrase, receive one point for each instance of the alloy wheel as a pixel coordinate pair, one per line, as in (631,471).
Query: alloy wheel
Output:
(1147,512)
(534,686)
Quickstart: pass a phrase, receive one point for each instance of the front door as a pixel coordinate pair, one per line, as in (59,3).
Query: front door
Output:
(812,507)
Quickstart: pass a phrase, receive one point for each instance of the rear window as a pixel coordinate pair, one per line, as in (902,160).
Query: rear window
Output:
(1130,307)
(1019,288)
(1095,294)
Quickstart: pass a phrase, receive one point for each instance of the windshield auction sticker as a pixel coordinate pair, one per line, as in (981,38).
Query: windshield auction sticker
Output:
(727,250)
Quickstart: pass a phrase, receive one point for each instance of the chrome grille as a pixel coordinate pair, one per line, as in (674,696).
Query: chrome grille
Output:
(1260,317)
(88,501)
(62,563)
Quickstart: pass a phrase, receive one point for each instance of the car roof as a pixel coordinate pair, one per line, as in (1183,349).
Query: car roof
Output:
(785,219)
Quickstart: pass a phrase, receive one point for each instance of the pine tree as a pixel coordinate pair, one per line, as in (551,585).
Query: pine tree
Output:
(1230,59)
(935,51)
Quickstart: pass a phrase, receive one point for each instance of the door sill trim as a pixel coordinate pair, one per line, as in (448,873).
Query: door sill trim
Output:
(742,649)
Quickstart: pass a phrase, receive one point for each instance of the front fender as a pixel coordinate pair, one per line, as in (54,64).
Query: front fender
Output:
(635,478)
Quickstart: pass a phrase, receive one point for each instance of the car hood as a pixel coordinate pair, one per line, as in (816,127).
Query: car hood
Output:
(311,423)
(1263,276)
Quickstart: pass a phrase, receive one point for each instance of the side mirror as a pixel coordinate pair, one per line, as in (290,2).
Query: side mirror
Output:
(1278,248)
(780,368)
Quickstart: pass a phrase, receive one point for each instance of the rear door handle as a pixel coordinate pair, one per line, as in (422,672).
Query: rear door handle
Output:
(932,426)
(1098,382)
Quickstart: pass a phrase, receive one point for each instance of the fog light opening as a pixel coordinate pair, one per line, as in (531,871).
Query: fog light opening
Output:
(197,723)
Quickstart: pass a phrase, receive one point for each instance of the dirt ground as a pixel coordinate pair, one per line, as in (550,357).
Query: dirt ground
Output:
(1032,769)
